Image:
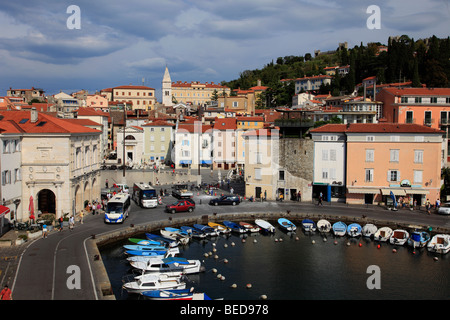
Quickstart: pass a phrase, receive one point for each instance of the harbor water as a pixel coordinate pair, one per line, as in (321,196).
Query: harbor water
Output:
(302,266)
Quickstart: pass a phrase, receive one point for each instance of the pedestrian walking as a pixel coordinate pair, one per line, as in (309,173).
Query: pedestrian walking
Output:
(428,206)
(231,190)
(71,223)
(81,216)
(60,223)
(299,196)
(44,231)
(6,293)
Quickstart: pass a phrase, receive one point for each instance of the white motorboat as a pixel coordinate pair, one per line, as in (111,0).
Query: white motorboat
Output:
(265,225)
(383,234)
(439,243)
(323,225)
(162,265)
(183,239)
(152,281)
(369,230)
(399,237)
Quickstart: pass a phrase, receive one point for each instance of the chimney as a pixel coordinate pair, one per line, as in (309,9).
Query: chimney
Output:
(33,115)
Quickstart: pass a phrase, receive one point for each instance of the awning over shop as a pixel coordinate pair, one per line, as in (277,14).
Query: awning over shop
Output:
(363,190)
(206,162)
(3,211)
(185,161)
(417,191)
(395,191)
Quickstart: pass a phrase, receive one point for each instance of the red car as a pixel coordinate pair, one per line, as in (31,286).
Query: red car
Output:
(181,205)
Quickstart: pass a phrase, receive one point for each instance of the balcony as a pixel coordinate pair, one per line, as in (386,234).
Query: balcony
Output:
(428,122)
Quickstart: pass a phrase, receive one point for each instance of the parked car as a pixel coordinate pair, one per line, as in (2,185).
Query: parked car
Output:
(445,208)
(181,205)
(233,200)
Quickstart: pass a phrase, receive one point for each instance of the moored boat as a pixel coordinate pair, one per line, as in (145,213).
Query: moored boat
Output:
(150,281)
(265,225)
(172,264)
(369,230)
(144,248)
(174,236)
(354,230)
(399,237)
(418,239)
(323,225)
(339,228)
(219,227)
(194,233)
(234,226)
(209,231)
(155,237)
(169,294)
(383,234)
(308,225)
(439,243)
(144,242)
(249,227)
(287,225)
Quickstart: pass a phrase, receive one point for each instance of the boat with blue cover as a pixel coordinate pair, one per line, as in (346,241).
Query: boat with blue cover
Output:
(155,237)
(354,230)
(169,294)
(168,264)
(181,238)
(234,226)
(418,239)
(287,225)
(194,233)
(145,253)
(308,225)
(339,228)
(177,230)
(209,231)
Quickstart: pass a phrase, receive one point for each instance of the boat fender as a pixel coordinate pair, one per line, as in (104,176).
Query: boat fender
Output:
(205,255)
(219,276)
(360,244)
(394,250)
(214,249)
(378,246)
(214,270)
(436,258)
(202,269)
(216,256)
(263,297)
(233,244)
(276,240)
(222,278)
(281,239)
(225,260)
(213,244)
(324,239)
(249,285)
(313,242)
(225,245)
(234,285)
(348,244)
(335,242)
(243,240)
(296,238)
(254,241)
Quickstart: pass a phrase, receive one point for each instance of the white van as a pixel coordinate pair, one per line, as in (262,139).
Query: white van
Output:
(124,187)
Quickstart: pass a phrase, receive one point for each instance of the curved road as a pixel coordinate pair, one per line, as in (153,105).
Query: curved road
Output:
(59,267)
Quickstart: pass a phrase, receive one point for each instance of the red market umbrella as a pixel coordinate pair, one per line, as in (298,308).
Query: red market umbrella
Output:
(31,208)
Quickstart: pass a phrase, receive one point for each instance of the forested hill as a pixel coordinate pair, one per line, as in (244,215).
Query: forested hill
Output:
(422,62)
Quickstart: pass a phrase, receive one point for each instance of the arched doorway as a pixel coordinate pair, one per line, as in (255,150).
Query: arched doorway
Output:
(78,199)
(46,201)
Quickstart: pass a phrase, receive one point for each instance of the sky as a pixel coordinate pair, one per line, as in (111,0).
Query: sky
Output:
(106,43)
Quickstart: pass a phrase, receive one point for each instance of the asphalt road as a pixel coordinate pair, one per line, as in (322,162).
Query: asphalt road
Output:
(59,267)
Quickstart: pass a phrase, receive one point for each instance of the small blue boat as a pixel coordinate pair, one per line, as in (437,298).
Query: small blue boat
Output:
(177,230)
(308,225)
(194,233)
(286,225)
(354,230)
(339,228)
(209,231)
(418,239)
(234,226)
(169,294)
(156,237)
(145,253)
(145,248)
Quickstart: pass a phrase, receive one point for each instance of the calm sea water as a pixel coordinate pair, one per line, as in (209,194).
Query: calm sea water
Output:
(302,266)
